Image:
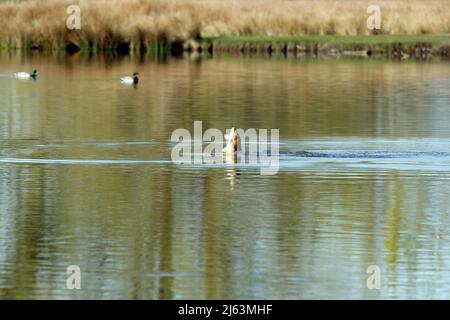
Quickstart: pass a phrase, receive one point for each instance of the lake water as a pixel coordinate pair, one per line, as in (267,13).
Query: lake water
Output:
(86,179)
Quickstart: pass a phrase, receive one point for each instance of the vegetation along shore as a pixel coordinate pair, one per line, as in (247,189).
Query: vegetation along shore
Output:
(413,27)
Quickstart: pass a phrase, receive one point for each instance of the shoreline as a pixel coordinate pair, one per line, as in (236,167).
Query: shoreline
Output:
(160,27)
(401,46)
(397,46)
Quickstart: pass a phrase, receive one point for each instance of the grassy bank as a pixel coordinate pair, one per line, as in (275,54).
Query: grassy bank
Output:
(158,25)
(401,45)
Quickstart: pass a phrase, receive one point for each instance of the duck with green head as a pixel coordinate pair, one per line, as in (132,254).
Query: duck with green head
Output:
(26,75)
(130,80)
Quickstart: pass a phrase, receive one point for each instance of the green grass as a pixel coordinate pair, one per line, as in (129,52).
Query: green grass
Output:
(336,41)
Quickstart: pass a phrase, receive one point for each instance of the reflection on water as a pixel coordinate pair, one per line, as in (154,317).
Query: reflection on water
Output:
(86,179)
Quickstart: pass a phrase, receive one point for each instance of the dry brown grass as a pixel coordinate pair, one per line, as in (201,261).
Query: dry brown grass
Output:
(106,23)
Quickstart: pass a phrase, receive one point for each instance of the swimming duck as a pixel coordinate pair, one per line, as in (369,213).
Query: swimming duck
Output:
(130,80)
(233,142)
(26,75)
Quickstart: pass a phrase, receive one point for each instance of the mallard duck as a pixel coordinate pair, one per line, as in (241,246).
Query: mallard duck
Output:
(233,142)
(26,75)
(130,80)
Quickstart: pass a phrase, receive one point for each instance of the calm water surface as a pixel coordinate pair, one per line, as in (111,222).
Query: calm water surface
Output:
(86,179)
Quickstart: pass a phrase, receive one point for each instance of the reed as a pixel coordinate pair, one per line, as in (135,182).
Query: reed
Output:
(150,24)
